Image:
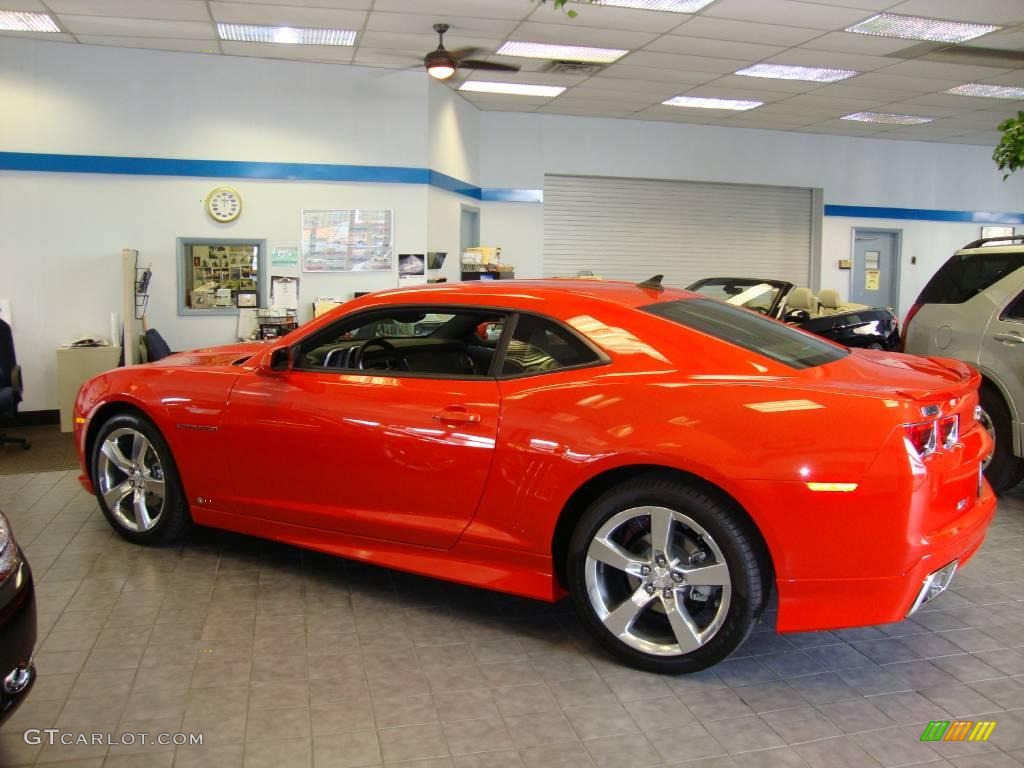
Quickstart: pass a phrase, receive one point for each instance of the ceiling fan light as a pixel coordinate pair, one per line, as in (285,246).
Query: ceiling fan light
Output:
(440,71)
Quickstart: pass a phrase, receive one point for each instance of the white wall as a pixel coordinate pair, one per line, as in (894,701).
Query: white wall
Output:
(517,149)
(454,133)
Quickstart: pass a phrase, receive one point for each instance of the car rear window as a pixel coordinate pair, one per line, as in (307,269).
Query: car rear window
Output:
(966,275)
(750,331)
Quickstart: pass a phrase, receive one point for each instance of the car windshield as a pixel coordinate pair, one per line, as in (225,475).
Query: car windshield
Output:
(749,331)
(751,294)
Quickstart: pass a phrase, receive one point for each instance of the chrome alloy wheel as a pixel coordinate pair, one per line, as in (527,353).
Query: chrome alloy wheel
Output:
(658,581)
(131,479)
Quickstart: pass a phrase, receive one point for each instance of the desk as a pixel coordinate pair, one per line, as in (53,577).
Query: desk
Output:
(75,366)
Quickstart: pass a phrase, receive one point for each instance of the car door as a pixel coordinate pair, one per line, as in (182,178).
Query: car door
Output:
(1002,350)
(388,454)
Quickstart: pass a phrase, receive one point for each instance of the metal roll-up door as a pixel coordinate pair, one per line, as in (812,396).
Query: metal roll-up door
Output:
(630,229)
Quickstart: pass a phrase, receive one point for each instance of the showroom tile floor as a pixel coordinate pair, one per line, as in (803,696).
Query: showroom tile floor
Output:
(285,658)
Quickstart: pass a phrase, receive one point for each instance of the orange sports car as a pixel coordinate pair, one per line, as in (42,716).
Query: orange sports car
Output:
(665,459)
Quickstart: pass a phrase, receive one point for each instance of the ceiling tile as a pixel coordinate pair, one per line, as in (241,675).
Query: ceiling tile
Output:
(787,110)
(944,100)
(677,115)
(654,74)
(804,57)
(715,91)
(109,25)
(1009,40)
(797,14)
(186,10)
(23,5)
(940,70)
(421,45)
(189,46)
(1010,78)
(815,100)
(881,95)
(695,46)
(914,107)
(613,84)
(868,5)
(607,17)
(676,62)
(376,57)
(745,31)
(612,101)
(284,16)
(422,23)
(485,9)
(851,42)
(50,36)
(555,108)
(899,83)
(980,11)
(566,34)
(338,54)
(533,78)
(352,5)
(988,138)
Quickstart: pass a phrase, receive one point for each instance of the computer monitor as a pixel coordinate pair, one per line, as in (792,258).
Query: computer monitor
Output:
(435,259)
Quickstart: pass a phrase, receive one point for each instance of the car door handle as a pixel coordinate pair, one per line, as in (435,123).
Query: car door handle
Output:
(1009,338)
(457,415)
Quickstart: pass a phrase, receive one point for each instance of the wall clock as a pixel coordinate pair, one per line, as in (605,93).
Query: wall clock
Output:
(224,204)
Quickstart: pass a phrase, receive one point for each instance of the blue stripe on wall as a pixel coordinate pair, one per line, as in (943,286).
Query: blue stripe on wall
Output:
(384,174)
(924,214)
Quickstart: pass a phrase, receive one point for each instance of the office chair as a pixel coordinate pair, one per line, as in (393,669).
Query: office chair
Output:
(156,347)
(10,384)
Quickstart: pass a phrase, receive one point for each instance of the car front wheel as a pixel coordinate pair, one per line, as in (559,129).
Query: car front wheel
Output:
(137,482)
(666,576)
(1003,469)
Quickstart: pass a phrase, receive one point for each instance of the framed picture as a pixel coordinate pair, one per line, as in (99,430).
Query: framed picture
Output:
(350,240)
(247,299)
(997,231)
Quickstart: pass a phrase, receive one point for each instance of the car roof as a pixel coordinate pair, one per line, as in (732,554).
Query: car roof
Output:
(528,291)
(988,250)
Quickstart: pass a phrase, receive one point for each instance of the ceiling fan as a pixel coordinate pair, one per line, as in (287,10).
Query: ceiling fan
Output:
(442,63)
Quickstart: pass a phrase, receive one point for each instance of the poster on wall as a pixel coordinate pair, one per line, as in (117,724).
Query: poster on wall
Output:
(284,257)
(354,240)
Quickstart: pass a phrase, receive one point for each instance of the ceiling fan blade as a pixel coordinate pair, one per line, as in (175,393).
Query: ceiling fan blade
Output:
(463,53)
(487,65)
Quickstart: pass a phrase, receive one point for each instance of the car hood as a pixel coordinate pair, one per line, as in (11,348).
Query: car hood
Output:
(893,373)
(228,354)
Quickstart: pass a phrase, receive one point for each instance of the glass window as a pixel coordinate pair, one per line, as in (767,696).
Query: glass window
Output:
(451,343)
(1015,310)
(219,276)
(752,294)
(967,275)
(539,345)
(749,331)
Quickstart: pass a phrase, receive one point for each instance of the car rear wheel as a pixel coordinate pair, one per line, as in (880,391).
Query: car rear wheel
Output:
(137,482)
(1004,469)
(665,576)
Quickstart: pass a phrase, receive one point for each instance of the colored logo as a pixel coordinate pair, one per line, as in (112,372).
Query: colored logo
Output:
(958,730)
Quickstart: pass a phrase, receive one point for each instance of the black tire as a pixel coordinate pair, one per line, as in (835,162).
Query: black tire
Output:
(1005,470)
(174,520)
(727,526)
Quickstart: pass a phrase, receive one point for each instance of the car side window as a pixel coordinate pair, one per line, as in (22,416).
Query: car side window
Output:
(1015,309)
(459,343)
(538,345)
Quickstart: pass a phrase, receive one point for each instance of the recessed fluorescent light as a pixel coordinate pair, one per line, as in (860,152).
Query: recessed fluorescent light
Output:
(561,52)
(674,6)
(700,102)
(787,72)
(251,33)
(916,28)
(24,21)
(512,89)
(888,119)
(988,91)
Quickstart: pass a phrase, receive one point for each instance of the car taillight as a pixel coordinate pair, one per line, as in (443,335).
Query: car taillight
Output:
(906,326)
(922,437)
(948,431)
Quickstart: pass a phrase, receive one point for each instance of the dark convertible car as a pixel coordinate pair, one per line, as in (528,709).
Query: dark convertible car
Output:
(852,325)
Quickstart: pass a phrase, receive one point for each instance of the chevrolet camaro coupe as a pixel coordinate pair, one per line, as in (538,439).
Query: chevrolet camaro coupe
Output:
(665,459)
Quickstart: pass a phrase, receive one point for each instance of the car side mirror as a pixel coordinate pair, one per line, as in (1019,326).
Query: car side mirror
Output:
(281,359)
(797,316)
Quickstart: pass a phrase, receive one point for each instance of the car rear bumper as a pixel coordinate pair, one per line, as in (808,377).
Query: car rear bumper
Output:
(17,639)
(836,603)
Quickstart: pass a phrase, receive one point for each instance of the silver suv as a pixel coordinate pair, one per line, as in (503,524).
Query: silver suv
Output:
(973,310)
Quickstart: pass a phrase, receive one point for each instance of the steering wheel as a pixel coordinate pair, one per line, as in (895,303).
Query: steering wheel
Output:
(360,356)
